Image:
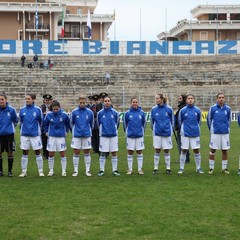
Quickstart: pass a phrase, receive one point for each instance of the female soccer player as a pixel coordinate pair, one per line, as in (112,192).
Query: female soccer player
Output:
(189,121)
(218,121)
(162,124)
(8,122)
(82,123)
(108,122)
(134,124)
(31,117)
(56,126)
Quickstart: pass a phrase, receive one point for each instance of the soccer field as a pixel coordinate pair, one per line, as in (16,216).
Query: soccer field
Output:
(188,206)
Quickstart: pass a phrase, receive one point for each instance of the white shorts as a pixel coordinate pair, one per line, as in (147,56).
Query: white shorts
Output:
(56,144)
(108,144)
(81,143)
(135,143)
(219,141)
(192,142)
(160,142)
(28,142)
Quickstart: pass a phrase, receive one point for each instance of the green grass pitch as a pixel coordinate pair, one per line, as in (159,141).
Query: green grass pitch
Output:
(188,206)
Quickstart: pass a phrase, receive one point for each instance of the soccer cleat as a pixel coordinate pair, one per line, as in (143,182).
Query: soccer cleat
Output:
(75,174)
(155,171)
(88,174)
(168,172)
(225,171)
(64,174)
(41,174)
(10,174)
(238,171)
(140,172)
(50,174)
(200,171)
(180,171)
(22,175)
(210,171)
(115,173)
(129,172)
(1,174)
(101,173)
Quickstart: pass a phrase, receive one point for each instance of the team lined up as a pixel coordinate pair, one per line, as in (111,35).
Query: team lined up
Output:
(84,119)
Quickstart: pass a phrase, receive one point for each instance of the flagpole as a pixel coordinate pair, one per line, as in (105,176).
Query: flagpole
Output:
(166,30)
(140,15)
(36,20)
(89,26)
(114,18)
(114,25)
(63,29)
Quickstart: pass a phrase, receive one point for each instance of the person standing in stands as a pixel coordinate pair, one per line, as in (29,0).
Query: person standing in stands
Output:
(8,122)
(134,124)
(181,103)
(23,58)
(35,60)
(56,126)
(108,122)
(162,122)
(189,121)
(45,107)
(30,117)
(82,123)
(218,122)
(107,78)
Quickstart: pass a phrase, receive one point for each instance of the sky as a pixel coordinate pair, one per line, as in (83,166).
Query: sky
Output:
(145,19)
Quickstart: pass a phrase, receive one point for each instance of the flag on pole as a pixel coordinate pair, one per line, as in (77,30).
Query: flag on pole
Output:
(36,19)
(89,25)
(62,29)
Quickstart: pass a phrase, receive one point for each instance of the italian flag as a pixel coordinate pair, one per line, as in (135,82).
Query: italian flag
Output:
(62,29)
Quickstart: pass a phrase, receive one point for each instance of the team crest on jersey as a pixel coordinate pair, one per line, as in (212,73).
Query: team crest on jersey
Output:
(77,116)
(104,116)
(61,119)
(8,114)
(34,114)
(130,116)
(156,114)
(195,114)
(112,116)
(139,116)
(225,112)
(87,117)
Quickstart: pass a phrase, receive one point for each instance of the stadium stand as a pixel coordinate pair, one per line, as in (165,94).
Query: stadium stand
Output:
(141,76)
